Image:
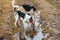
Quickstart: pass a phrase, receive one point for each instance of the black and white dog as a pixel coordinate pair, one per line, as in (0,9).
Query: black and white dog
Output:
(25,17)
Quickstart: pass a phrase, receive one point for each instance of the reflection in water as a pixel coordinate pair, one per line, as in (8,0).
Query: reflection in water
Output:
(39,35)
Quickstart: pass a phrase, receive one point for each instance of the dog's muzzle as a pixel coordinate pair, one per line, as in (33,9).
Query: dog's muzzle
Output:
(31,20)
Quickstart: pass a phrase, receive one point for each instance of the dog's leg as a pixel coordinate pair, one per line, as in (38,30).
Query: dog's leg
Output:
(16,36)
(25,29)
(26,37)
(37,22)
(16,19)
(13,3)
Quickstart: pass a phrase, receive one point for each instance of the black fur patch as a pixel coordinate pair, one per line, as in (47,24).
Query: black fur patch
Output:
(28,7)
(21,14)
(33,8)
(28,13)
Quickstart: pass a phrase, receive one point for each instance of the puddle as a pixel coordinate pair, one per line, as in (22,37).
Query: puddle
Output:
(39,35)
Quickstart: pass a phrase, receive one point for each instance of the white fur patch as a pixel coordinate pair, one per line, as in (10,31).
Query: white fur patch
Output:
(16,18)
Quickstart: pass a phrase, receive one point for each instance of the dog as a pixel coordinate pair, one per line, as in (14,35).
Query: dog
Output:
(27,9)
(24,16)
(26,19)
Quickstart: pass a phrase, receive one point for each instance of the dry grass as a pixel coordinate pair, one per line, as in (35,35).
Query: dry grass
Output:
(7,19)
(54,3)
(7,28)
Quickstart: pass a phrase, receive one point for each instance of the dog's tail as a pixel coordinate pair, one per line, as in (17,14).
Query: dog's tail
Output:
(14,6)
(13,3)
